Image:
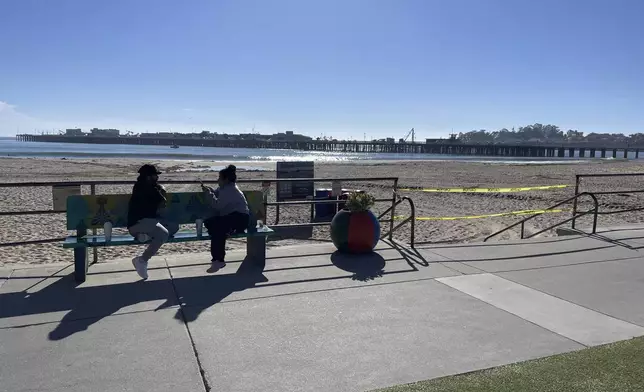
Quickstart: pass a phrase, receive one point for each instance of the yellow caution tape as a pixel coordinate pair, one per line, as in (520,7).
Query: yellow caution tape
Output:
(485,190)
(511,213)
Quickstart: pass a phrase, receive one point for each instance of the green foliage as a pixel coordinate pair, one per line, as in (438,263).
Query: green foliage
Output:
(360,201)
(545,133)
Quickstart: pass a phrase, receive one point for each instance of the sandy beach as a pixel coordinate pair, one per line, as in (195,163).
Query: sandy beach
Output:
(428,174)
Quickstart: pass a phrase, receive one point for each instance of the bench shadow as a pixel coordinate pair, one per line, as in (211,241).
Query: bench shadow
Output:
(84,305)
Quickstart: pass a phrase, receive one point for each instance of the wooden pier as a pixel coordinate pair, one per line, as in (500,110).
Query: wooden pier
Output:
(440,147)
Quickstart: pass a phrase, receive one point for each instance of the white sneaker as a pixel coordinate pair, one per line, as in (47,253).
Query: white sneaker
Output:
(141,267)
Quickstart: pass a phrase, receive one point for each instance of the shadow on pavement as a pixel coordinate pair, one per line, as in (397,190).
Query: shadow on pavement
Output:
(363,267)
(87,304)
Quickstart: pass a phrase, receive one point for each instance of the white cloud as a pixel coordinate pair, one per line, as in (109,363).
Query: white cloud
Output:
(4,106)
(13,121)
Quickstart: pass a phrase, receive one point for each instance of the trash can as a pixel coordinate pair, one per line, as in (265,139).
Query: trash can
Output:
(324,211)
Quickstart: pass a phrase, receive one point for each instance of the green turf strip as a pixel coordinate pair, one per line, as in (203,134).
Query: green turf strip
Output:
(617,367)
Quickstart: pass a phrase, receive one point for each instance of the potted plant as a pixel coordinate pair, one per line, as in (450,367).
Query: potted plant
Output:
(355,229)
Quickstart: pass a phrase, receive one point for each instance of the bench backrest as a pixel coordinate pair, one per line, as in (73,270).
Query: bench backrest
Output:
(92,211)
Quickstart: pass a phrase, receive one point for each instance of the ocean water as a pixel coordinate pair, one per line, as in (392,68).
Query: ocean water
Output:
(13,148)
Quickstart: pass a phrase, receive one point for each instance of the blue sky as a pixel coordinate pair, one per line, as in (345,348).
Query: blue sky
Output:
(335,67)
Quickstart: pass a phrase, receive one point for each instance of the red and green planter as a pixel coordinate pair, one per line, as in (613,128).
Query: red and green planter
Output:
(355,231)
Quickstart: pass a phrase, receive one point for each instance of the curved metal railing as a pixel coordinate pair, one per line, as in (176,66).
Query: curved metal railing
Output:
(576,215)
(411,218)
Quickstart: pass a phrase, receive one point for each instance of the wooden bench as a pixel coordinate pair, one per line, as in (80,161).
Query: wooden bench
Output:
(86,212)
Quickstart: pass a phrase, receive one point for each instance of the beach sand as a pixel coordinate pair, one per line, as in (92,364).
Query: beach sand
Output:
(429,174)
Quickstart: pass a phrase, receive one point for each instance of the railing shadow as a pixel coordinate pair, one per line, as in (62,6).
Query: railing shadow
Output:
(411,255)
(524,256)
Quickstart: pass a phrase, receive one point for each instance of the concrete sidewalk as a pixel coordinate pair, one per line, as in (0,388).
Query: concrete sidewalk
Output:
(315,320)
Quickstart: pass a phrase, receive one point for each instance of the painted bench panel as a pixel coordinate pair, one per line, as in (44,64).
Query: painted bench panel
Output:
(86,212)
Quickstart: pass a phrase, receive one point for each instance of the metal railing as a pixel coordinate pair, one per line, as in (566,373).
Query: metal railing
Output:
(411,218)
(196,182)
(93,184)
(575,213)
(594,211)
(578,179)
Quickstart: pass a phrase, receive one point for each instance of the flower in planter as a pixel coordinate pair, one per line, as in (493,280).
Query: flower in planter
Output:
(360,201)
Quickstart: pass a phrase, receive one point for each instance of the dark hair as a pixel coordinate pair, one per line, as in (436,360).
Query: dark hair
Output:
(229,173)
(149,170)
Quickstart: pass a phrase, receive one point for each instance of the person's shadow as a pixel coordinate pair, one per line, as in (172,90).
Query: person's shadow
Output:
(216,289)
(200,293)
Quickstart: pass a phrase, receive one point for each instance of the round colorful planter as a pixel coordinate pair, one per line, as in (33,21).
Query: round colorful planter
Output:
(355,232)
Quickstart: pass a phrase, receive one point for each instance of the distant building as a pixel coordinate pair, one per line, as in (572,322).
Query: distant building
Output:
(104,132)
(157,134)
(253,136)
(390,140)
(289,136)
(74,132)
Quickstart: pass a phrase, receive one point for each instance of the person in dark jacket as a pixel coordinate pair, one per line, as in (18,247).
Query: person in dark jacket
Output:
(148,196)
(230,214)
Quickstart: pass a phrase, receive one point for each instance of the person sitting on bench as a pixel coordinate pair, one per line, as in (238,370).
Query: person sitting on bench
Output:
(230,214)
(148,196)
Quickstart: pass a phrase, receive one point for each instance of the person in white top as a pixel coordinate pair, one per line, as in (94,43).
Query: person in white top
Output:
(230,214)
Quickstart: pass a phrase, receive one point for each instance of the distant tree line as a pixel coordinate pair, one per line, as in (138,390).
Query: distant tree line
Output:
(548,134)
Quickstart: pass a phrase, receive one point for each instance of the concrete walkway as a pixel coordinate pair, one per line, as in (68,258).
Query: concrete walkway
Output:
(315,320)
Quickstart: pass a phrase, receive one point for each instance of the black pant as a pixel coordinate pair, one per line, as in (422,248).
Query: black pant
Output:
(219,227)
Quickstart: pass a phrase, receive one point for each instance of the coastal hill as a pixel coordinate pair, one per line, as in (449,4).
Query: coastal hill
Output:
(548,134)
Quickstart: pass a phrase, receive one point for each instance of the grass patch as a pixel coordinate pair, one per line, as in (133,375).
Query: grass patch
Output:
(615,367)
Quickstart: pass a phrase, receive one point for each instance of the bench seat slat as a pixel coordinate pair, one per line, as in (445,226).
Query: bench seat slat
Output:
(92,241)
